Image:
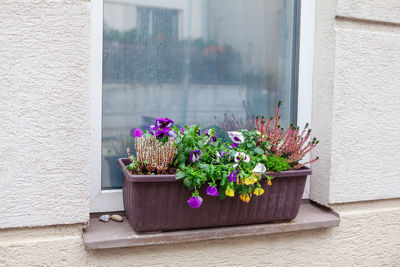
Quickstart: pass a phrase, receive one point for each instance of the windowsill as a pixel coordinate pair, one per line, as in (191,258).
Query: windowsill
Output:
(100,235)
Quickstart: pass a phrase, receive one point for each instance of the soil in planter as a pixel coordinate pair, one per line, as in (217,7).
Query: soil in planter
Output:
(144,171)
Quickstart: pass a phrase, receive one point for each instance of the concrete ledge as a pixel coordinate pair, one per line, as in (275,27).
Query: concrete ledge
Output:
(100,235)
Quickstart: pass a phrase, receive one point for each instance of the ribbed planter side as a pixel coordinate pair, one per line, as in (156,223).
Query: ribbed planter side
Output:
(159,202)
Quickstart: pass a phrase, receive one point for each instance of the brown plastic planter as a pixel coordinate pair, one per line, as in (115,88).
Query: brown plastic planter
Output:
(159,202)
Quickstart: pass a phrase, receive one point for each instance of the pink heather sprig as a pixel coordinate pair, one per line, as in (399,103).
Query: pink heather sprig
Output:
(290,144)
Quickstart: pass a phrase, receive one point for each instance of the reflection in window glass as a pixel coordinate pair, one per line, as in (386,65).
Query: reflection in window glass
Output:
(216,63)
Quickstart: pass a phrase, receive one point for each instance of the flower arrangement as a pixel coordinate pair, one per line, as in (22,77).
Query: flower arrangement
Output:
(228,169)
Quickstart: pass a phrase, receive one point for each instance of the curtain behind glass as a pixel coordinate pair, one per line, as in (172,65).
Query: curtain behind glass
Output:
(216,63)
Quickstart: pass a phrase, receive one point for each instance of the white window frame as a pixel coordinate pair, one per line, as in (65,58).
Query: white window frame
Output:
(111,200)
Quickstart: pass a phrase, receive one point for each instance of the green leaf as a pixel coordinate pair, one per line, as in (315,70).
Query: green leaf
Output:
(187,182)
(223,180)
(200,143)
(258,150)
(222,193)
(181,159)
(205,167)
(211,169)
(180,175)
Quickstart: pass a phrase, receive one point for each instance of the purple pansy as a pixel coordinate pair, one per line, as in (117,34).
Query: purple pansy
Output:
(164,122)
(233,176)
(207,133)
(161,132)
(212,191)
(162,128)
(195,155)
(234,145)
(220,155)
(195,202)
(138,133)
(182,130)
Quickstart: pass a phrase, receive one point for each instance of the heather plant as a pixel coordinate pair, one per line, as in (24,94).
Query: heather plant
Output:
(290,144)
(155,151)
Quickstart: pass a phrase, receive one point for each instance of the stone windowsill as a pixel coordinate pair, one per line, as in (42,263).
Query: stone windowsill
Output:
(100,235)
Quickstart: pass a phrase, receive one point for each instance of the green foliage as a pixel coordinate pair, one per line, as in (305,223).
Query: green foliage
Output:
(277,164)
(228,166)
(134,165)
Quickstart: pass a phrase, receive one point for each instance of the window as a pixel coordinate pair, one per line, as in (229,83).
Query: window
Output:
(159,22)
(216,63)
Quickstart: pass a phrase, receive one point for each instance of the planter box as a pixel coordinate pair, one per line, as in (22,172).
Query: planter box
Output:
(159,202)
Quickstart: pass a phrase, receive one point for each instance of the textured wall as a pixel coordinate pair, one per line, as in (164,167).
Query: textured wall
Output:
(44,96)
(366,127)
(371,10)
(322,104)
(356,101)
(369,235)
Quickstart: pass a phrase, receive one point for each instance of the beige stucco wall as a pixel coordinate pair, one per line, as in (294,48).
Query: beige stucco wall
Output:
(44,139)
(44,112)
(356,101)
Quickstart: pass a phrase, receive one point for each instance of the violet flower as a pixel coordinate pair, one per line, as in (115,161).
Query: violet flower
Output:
(234,145)
(220,155)
(195,155)
(164,123)
(214,138)
(195,202)
(138,133)
(212,191)
(160,133)
(233,176)
(240,156)
(236,137)
(162,128)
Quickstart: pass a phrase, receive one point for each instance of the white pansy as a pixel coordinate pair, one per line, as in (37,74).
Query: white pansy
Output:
(259,169)
(240,156)
(236,137)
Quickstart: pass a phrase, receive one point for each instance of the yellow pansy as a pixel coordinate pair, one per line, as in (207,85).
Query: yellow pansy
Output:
(245,197)
(258,191)
(229,192)
(250,180)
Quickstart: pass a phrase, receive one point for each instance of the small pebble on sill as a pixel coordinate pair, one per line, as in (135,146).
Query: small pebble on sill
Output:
(104,218)
(117,218)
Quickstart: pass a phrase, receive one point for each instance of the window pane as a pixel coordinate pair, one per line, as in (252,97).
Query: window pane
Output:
(216,63)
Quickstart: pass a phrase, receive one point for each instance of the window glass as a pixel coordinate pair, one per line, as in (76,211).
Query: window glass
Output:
(216,63)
